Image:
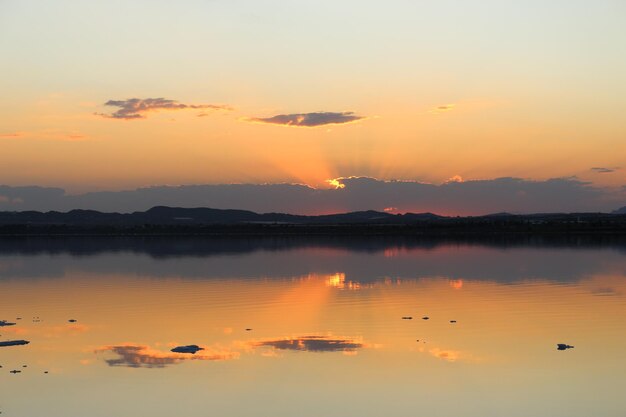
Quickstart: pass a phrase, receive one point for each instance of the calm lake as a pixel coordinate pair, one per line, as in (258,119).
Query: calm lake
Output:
(312,327)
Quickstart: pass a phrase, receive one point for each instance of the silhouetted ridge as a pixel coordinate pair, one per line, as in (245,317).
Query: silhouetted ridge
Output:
(202,220)
(163,215)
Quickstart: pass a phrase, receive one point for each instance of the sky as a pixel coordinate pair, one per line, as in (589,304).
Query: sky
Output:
(119,95)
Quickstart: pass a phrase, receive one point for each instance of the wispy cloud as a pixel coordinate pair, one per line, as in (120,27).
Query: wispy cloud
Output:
(11,135)
(309,119)
(140,356)
(604,170)
(45,134)
(135,108)
(442,108)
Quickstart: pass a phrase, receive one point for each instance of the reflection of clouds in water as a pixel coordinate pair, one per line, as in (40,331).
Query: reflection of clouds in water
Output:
(50,331)
(140,356)
(445,354)
(14,330)
(68,330)
(312,344)
(362,262)
(451,355)
(604,291)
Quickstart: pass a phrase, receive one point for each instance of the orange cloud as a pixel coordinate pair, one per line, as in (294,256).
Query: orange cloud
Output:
(11,135)
(455,178)
(442,108)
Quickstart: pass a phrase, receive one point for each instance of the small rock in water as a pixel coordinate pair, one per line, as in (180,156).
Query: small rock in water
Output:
(15,371)
(6,323)
(187,349)
(248,330)
(425,318)
(72,320)
(14,343)
(563,346)
(452,321)
(407,318)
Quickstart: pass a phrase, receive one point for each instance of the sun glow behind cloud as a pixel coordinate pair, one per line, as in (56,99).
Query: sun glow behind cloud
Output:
(336,183)
(438,113)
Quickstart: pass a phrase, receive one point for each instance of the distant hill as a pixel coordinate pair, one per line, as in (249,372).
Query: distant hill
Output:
(207,221)
(620,211)
(202,216)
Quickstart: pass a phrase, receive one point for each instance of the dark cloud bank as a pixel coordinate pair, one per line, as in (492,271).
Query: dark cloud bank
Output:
(465,198)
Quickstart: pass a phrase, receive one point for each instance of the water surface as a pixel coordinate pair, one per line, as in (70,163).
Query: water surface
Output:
(311,328)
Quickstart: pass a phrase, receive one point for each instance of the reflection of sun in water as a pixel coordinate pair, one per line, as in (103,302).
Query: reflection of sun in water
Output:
(338,280)
(457,284)
(391,252)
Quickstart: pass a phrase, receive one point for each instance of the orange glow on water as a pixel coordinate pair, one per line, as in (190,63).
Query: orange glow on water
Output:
(457,284)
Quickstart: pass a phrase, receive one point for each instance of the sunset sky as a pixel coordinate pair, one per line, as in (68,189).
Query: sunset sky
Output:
(118,95)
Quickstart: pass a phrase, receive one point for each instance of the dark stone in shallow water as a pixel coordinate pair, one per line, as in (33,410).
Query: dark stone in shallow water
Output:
(407,318)
(425,318)
(14,343)
(563,346)
(72,320)
(6,323)
(187,349)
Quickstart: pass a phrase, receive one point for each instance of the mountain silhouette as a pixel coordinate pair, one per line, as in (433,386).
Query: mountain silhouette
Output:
(162,215)
(163,220)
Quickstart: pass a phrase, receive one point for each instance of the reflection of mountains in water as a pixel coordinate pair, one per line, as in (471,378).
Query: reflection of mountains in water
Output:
(361,260)
(203,246)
